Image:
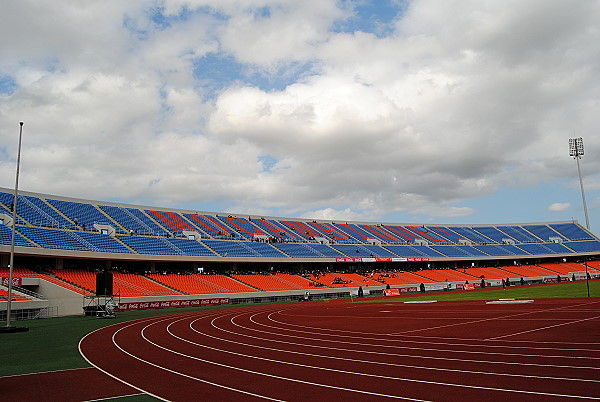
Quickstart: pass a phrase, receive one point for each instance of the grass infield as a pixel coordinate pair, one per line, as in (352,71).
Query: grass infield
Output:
(51,344)
(563,290)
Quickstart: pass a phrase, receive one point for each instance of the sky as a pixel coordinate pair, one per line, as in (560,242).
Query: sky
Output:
(397,111)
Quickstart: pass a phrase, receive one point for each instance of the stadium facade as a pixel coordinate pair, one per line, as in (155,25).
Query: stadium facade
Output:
(55,235)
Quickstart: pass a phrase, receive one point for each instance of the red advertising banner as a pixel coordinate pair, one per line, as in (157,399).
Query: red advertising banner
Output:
(15,281)
(172,303)
(397,291)
(468,286)
(348,260)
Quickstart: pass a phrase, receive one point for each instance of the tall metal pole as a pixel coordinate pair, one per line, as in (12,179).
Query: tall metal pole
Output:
(576,151)
(14,222)
(587,221)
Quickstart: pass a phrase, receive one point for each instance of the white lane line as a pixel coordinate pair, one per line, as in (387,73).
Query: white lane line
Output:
(452,351)
(358,335)
(266,374)
(355,373)
(544,328)
(158,366)
(354,360)
(403,333)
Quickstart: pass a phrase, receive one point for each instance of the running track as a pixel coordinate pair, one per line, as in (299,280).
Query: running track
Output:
(471,351)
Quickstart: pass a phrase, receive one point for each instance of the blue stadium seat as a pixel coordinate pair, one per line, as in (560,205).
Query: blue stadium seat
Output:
(590,246)
(134,219)
(571,231)
(84,215)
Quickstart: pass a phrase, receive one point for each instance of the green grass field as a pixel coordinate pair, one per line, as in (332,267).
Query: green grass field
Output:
(51,344)
(563,290)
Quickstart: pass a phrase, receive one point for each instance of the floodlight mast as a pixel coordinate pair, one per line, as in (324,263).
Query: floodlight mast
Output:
(12,238)
(576,151)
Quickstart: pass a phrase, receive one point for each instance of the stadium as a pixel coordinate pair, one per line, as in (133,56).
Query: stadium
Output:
(87,258)
(65,248)
(323,200)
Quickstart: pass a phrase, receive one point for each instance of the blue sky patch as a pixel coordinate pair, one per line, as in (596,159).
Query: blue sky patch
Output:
(268,162)
(218,71)
(374,17)
(7,85)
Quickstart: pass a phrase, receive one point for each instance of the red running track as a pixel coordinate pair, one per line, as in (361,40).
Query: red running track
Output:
(546,350)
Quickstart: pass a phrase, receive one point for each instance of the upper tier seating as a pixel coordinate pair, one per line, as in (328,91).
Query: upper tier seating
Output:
(543,248)
(364,251)
(56,239)
(134,220)
(414,251)
(264,249)
(588,246)
(276,230)
(151,245)
(172,221)
(544,232)
(571,231)
(304,250)
(519,234)
(190,247)
(59,224)
(35,211)
(6,234)
(84,215)
(211,225)
(472,235)
(492,233)
(459,251)
(331,232)
(501,250)
(242,227)
(230,248)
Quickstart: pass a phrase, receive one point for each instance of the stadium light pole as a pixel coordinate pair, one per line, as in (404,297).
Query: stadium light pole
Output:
(576,151)
(12,237)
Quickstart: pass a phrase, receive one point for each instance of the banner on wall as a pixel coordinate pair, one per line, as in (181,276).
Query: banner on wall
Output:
(172,303)
(397,291)
(15,281)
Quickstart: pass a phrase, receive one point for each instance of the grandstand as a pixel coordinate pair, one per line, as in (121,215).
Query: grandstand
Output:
(159,253)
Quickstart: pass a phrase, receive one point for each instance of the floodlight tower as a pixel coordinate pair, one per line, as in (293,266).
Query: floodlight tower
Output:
(576,151)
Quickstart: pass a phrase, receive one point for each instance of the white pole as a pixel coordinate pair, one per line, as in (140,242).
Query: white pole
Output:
(14,222)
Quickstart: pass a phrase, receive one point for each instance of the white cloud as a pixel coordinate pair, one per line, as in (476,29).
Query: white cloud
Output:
(440,111)
(559,206)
